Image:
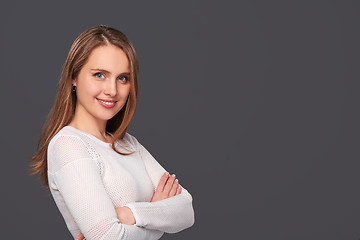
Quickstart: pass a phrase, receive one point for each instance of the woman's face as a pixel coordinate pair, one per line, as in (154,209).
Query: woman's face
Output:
(102,85)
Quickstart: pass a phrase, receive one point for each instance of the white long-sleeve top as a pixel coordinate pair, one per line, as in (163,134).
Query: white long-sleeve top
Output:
(88,179)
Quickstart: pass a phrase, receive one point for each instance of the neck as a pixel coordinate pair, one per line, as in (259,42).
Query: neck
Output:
(95,127)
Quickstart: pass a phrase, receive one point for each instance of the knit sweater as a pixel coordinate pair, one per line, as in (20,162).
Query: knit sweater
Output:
(88,179)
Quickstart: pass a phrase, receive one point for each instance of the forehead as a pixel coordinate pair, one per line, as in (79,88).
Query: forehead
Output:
(110,58)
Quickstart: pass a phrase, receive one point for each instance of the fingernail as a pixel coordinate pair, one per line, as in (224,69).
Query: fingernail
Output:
(173,175)
(167,173)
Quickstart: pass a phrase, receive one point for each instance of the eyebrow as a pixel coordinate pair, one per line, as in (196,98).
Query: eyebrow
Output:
(106,71)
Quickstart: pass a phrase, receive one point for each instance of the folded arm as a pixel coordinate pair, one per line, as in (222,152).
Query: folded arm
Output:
(81,187)
(169,215)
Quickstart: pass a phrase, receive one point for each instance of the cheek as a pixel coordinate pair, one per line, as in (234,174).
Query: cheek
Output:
(90,90)
(124,91)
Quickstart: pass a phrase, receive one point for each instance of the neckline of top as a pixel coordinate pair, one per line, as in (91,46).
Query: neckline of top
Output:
(90,135)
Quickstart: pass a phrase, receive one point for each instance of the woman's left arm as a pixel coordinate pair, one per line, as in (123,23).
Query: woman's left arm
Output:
(170,215)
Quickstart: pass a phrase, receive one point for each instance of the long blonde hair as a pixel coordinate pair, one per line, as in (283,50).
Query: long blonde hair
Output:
(63,109)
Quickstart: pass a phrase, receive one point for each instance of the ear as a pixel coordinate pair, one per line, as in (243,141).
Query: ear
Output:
(73,82)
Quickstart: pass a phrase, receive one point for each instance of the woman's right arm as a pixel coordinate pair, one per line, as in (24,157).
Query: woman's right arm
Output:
(79,182)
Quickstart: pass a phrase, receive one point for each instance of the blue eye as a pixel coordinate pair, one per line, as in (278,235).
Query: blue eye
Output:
(99,75)
(123,78)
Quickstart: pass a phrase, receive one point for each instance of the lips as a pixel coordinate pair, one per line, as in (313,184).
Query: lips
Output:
(104,100)
(107,103)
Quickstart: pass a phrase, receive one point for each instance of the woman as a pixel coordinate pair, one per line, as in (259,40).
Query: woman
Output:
(104,182)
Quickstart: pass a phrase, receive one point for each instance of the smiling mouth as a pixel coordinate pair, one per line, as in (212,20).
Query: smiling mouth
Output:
(107,103)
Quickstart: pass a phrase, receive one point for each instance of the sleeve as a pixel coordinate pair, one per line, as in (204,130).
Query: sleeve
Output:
(79,182)
(169,215)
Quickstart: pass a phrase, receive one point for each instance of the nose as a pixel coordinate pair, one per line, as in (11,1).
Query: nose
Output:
(110,87)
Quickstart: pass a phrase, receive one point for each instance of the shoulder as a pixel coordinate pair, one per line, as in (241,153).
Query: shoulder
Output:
(68,142)
(66,137)
(67,146)
(131,140)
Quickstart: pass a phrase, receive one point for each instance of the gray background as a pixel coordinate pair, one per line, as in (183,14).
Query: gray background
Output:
(253,104)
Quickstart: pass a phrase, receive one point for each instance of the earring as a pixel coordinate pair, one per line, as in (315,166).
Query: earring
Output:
(73,88)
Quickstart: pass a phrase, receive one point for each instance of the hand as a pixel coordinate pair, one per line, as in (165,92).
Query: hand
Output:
(125,215)
(80,237)
(168,187)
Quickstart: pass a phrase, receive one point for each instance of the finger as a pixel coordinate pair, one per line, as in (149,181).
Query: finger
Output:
(169,184)
(174,188)
(178,190)
(162,182)
(80,237)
